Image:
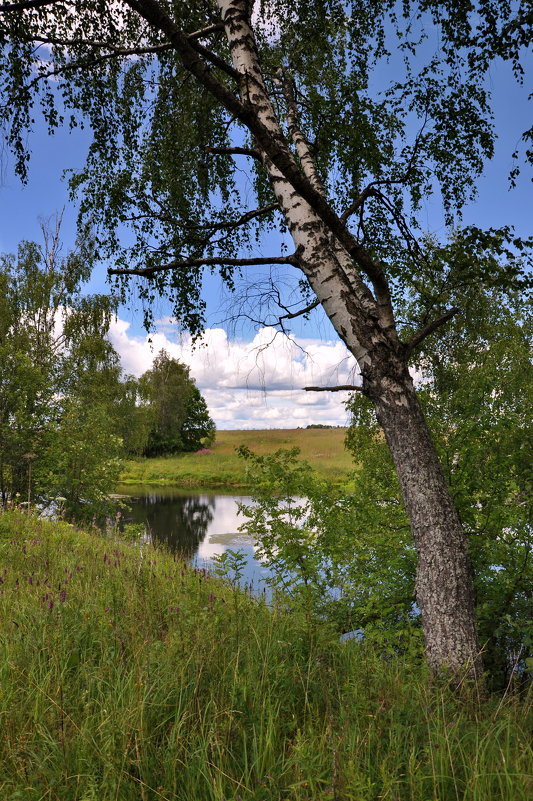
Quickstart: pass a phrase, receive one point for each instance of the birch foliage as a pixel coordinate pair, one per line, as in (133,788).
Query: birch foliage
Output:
(393,100)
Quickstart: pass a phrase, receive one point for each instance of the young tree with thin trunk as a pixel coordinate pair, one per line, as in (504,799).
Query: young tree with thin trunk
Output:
(345,115)
(59,380)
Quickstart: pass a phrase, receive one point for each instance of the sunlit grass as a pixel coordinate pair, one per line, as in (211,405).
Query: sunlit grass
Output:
(219,465)
(126,674)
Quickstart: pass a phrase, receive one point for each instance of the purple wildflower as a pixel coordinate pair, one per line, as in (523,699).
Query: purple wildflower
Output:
(50,604)
(62,596)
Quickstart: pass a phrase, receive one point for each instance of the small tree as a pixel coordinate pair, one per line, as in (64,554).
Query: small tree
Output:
(199,428)
(179,419)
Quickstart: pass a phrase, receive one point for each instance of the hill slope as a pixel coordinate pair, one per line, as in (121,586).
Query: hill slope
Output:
(126,674)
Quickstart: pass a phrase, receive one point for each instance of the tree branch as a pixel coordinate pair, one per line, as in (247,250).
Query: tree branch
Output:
(230,225)
(340,388)
(6,7)
(113,49)
(234,151)
(214,59)
(208,261)
(356,205)
(217,26)
(292,315)
(429,328)
(124,51)
(246,217)
(297,136)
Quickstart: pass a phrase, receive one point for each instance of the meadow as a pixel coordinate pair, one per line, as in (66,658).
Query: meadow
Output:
(127,675)
(220,466)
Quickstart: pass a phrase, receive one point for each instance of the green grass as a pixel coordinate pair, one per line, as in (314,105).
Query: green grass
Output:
(127,675)
(221,467)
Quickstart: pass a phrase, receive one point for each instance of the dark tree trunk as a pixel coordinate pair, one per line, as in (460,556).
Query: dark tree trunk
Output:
(444,587)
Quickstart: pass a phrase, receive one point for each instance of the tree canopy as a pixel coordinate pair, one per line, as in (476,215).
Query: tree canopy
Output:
(177,415)
(392,102)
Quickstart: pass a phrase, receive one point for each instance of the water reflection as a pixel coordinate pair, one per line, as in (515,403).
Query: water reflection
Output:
(197,525)
(180,523)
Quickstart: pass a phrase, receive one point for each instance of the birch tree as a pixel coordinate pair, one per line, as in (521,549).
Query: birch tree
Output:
(343,115)
(59,380)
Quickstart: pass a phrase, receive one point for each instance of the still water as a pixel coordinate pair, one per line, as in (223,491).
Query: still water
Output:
(198,525)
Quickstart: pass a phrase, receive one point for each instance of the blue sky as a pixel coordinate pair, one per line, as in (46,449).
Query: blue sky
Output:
(257,393)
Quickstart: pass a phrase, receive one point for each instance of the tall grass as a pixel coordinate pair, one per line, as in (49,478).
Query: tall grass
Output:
(126,674)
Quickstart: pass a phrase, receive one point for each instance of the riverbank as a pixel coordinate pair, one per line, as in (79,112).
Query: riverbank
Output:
(220,467)
(125,674)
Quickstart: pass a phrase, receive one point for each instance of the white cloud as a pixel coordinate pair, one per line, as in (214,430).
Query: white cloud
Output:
(257,384)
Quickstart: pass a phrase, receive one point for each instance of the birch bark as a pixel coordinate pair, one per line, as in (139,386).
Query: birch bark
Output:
(444,585)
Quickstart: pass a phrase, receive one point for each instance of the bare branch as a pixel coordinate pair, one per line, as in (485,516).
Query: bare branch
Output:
(429,328)
(292,315)
(208,261)
(340,388)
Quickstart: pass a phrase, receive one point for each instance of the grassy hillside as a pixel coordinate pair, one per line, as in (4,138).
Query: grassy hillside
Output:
(219,466)
(125,675)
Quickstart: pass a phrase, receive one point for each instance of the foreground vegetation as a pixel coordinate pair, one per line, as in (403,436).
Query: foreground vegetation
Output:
(126,674)
(220,466)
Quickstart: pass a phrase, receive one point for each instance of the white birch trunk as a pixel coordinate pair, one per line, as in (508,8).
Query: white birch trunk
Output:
(444,584)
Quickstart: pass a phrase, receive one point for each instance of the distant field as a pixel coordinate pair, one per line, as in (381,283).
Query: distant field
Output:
(221,467)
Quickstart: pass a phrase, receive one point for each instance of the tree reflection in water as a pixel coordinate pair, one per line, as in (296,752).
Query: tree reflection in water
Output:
(180,523)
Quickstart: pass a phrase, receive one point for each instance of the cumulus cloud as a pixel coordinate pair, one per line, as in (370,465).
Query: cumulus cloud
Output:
(255,384)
